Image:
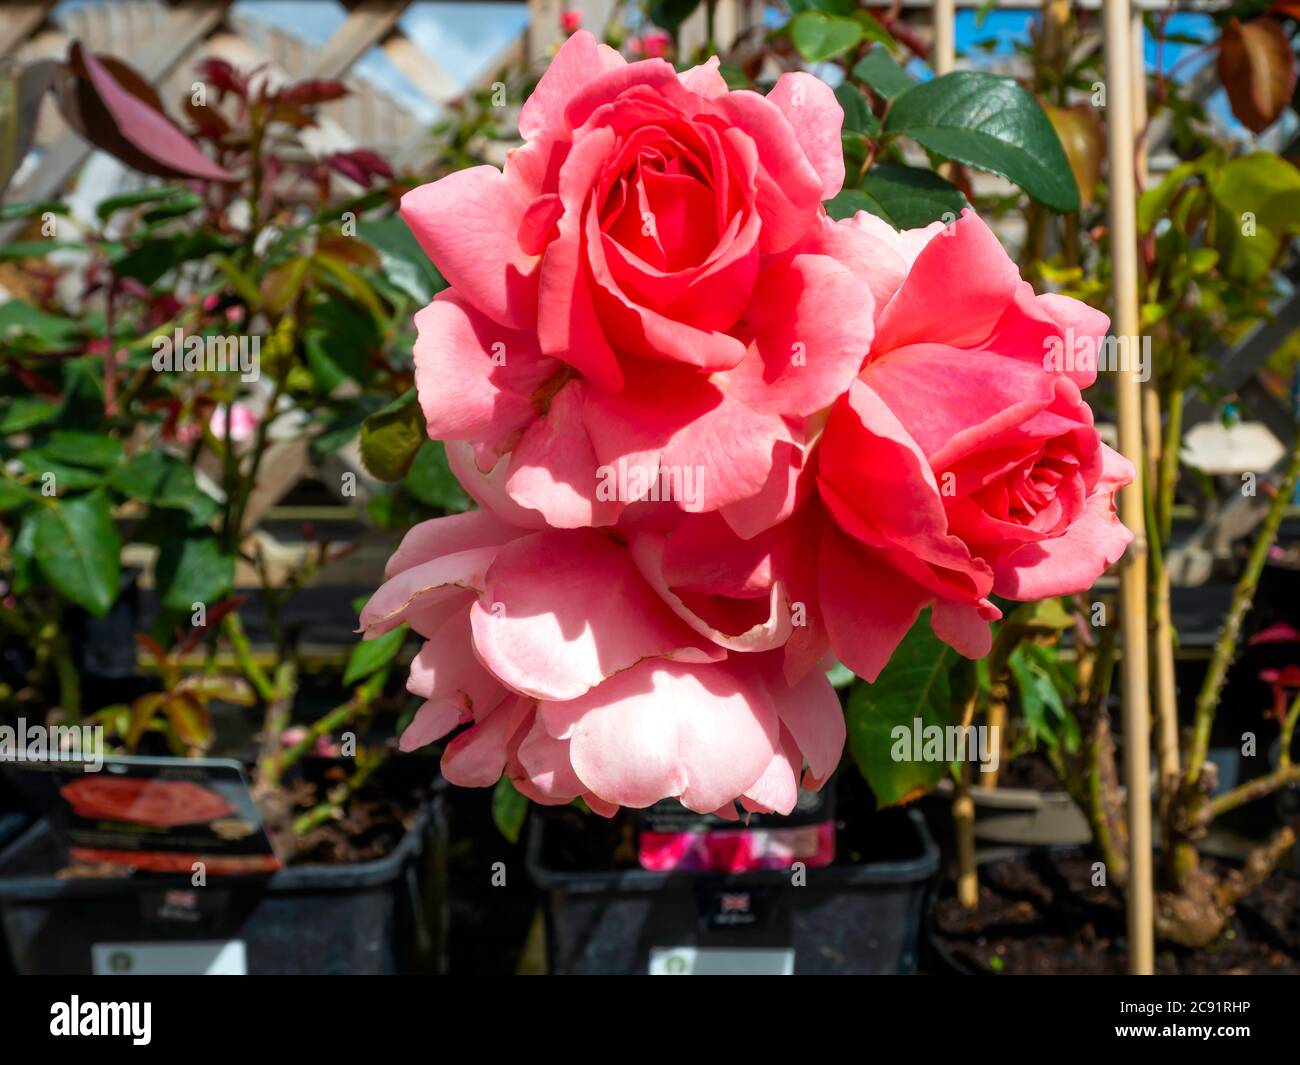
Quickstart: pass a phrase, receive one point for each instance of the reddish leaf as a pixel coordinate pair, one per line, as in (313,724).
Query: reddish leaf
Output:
(207,119)
(150,645)
(142,711)
(1291,8)
(311,92)
(223,77)
(349,250)
(114,109)
(190,718)
(360,165)
(1258,70)
(216,612)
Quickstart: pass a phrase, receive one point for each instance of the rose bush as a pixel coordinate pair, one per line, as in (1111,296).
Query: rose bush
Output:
(652,285)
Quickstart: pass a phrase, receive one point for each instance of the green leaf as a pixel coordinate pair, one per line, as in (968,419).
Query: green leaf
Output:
(339,341)
(829,7)
(80,448)
(914,684)
(77,548)
(139,196)
(24,413)
(820,37)
(193,570)
(402,258)
(509,809)
(1257,205)
(991,123)
(10,211)
(857,114)
(391,438)
(40,464)
(19,319)
(848,202)
(908,197)
(13,495)
(431,481)
(1153,203)
(148,260)
(878,70)
(371,655)
(163,480)
(24,557)
(1040,685)
(34,249)
(670,14)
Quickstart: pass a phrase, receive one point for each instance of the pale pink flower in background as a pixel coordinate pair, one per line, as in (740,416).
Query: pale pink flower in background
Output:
(243,423)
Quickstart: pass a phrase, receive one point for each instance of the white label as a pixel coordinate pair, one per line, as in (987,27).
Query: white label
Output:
(200,958)
(722,961)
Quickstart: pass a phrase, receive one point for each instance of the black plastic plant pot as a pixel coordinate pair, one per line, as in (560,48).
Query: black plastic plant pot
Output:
(848,917)
(378,917)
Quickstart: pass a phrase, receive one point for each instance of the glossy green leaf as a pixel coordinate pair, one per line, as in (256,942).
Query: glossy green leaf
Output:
(914,685)
(163,480)
(820,37)
(137,197)
(908,197)
(79,448)
(193,570)
(370,655)
(431,481)
(858,117)
(878,70)
(59,476)
(991,123)
(391,438)
(31,209)
(76,546)
(509,809)
(404,261)
(1257,206)
(24,413)
(13,495)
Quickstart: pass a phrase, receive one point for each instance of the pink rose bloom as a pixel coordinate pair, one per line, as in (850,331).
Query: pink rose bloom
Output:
(959,465)
(652,45)
(651,286)
(243,423)
(576,677)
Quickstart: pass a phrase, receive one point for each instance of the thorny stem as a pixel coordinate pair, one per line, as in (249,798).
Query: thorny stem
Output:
(275,765)
(338,797)
(1169,454)
(1225,647)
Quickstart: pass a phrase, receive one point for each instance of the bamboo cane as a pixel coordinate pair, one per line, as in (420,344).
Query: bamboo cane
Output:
(945,35)
(1162,629)
(1128,396)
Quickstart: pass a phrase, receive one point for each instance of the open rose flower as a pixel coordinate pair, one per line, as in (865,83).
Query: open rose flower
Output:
(577,677)
(651,287)
(961,463)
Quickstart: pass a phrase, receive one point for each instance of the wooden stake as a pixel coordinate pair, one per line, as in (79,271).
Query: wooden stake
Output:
(1128,397)
(963,826)
(1162,651)
(945,36)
